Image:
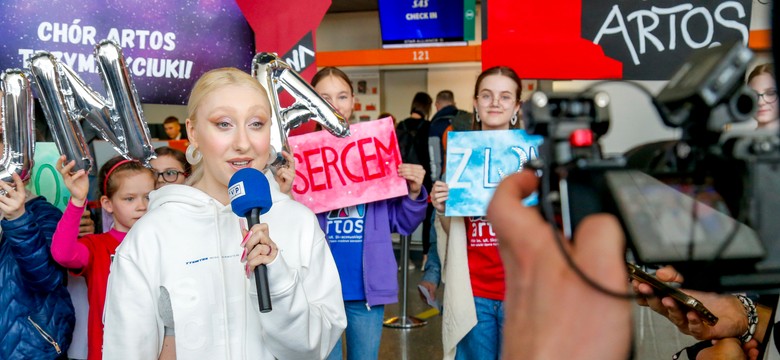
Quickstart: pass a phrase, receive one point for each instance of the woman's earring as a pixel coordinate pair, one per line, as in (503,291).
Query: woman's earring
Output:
(476,115)
(193,155)
(513,121)
(272,155)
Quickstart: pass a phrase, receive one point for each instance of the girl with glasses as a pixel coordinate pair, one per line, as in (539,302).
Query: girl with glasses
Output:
(762,81)
(170,166)
(473,315)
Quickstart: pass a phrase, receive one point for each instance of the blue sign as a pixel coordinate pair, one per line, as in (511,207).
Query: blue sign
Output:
(409,23)
(167,45)
(478,160)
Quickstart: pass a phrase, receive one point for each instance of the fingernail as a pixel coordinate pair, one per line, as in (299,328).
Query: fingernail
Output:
(242,221)
(246,267)
(246,237)
(243,255)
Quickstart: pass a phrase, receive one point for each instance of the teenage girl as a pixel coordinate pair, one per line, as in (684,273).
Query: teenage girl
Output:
(474,296)
(125,186)
(762,81)
(170,166)
(359,238)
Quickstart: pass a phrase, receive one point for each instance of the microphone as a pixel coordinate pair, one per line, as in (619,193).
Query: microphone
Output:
(250,197)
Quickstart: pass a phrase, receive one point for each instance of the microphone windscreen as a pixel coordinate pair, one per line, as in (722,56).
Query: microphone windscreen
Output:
(248,189)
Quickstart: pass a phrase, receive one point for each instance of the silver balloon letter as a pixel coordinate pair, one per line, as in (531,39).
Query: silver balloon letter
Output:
(66,99)
(275,75)
(18,126)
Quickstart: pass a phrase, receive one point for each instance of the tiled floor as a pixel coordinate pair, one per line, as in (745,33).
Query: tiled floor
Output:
(654,336)
(417,343)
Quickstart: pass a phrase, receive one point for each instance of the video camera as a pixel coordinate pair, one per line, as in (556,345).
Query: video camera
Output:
(706,203)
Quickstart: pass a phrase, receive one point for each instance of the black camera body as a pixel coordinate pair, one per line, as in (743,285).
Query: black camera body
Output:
(723,235)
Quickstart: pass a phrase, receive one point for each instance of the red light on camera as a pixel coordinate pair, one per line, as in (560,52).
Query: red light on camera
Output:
(581,138)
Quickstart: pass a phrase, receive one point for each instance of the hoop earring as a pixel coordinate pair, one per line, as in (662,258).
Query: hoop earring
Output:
(476,115)
(193,155)
(513,120)
(272,156)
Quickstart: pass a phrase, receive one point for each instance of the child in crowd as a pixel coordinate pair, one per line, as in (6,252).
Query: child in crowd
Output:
(182,282)
(125,185)
(170,166)
(366,289)
(474,274)
(37,318)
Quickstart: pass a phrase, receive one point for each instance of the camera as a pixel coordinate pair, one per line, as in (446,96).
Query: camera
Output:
(704,204)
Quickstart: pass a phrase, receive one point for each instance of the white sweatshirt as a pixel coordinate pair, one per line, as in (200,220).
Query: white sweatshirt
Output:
(189,243)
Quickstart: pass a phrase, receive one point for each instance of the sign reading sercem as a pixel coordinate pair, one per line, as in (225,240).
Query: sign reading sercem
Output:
(333,173)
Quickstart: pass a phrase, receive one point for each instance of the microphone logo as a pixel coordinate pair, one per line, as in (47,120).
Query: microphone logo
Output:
(236,190)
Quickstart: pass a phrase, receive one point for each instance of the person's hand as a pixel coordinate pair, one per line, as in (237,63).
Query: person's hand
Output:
(258,247)
(286,174)
(12,204)
(751,349)
(725,349)
(431,287)
(666,274)
(542,290)
(77,183)
(414,175)
(439,195)
(86,226)
(732,321)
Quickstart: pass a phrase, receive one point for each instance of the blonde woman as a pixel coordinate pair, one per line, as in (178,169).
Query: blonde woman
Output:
(181,282)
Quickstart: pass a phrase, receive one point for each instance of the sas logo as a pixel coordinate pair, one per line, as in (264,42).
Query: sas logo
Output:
(236,191)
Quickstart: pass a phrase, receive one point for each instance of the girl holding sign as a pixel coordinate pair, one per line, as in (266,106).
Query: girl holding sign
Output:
(181,283)
(474,296)
(125,185)
(360,235)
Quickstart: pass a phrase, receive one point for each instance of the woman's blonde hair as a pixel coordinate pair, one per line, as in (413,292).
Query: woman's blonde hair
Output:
(208,83)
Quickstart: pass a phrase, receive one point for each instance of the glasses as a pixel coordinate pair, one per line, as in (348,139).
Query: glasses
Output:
(769,96)
(487,99)
(169,175)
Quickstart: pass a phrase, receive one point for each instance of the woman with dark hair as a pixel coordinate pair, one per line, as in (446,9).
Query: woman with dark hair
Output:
(170,166)
(468,247)
(762,81)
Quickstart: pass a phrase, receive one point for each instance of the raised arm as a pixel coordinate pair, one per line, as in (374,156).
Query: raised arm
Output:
(29,235)
(65,248)
(407,212)
(439,195)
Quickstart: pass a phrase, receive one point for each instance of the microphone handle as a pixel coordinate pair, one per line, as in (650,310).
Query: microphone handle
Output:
(261,272)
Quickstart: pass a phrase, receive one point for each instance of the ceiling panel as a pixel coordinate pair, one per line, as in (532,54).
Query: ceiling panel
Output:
(339,6)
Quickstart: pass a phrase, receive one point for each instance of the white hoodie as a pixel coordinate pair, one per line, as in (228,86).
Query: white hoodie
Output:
(189,243)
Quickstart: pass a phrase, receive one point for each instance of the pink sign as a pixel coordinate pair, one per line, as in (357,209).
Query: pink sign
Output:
(332,173)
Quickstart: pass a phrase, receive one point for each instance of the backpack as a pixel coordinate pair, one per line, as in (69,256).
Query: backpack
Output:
(408,138)
(460,121)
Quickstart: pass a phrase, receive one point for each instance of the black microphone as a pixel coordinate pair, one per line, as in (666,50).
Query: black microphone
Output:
(250,197)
